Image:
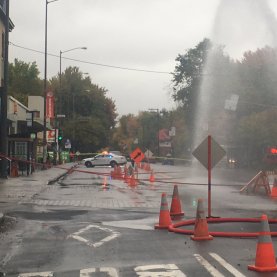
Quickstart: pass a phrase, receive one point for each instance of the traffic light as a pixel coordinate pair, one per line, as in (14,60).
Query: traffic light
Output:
(60,135)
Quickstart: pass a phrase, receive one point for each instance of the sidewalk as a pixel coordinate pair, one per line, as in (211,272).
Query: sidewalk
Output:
(13,190)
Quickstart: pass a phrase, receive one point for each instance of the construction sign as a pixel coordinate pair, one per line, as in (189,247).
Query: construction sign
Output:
(137,155)
(206,151)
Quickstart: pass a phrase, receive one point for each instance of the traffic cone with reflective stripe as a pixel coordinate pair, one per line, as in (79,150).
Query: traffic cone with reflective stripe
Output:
(265,257)
(152,177)
(164,219)
(274,189)
(201,231)
(175,208)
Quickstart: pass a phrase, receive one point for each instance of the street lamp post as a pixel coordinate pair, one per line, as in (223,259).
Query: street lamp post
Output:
(61,52)
(158,127)
(60,86)
(45,81)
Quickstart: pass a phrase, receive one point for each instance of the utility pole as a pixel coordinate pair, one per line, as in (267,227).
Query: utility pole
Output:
(158,129)
(4,98)
(45,81)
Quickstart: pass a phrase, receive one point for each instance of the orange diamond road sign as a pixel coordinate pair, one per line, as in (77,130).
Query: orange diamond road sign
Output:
(137,155)
(201,153)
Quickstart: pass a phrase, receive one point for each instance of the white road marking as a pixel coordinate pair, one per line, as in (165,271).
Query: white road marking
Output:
(86,272)
(208,266)
(109,270)
(229,267)
(77,236)
(169,270)
(36,274)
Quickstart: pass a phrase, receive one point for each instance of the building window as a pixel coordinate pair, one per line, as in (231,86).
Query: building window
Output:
(21,149)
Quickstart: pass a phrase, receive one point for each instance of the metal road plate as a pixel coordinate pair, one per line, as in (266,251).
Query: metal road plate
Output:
(201,153)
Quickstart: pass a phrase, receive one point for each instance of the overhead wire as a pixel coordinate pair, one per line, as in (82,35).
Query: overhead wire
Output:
(91,63)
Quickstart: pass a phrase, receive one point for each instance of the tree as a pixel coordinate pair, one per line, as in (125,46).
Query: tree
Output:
(207,69)
(90,114)
(24,80)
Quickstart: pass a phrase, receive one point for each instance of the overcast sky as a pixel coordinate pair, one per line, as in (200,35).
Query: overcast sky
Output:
(139,34)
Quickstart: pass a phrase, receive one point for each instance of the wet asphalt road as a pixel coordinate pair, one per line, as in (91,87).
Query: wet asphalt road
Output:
(90,225)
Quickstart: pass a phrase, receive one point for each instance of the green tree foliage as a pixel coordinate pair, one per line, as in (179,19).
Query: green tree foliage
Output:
(188,71)
(89,114)
(143,129)
(24,80)
(253,79)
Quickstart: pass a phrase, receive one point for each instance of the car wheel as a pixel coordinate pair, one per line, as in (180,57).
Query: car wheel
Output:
(113,163)
(88,164)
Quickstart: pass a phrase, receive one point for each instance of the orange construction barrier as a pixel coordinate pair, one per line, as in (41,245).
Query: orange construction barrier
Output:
(152,177)
(201,231)
(258,181)
(265,257)
(274,189)
(14,169)
(175,208)
(164,219)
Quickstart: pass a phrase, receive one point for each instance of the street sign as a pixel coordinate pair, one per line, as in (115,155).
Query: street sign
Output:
(209,153)
(148,154)
(137,155)
(67,144)
(50,136)
(60,115)
(201,153)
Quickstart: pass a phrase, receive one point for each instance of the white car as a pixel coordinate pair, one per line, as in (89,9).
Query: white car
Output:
(105,159)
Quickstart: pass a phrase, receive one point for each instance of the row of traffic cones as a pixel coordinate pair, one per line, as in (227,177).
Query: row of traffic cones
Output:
(265,257)
(145,166)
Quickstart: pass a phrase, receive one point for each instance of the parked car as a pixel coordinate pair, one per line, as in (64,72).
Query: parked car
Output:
(105,159)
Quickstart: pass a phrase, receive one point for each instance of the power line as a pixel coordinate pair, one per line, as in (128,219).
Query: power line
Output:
(91,63)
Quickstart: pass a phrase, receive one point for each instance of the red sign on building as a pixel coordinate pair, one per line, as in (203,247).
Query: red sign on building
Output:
(50,105)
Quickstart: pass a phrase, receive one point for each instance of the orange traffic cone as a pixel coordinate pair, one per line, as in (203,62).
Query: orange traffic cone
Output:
(152,177)
(104,185)
(132,180)
(119,172)
(201,231)
(265,257)
(274,189)
(164,219)
(175,208)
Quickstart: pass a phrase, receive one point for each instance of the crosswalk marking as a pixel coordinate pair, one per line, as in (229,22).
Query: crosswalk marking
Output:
(168,270)
(214,272)
(230,268)
(160,270)
(37,274)
(109,270)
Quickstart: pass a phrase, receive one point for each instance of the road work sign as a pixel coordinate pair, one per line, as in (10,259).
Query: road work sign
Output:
(209,153)
(202,152)
(137,155)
